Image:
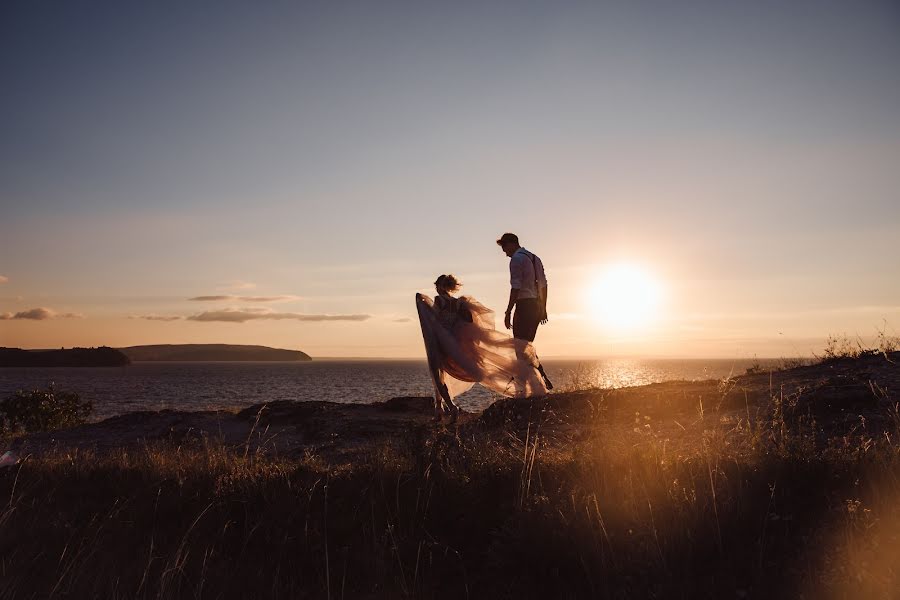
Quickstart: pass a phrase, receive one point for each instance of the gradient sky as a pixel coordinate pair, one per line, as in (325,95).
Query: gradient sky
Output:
(305,160)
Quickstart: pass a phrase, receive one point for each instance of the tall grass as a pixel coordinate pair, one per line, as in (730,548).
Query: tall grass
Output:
(759,505)
(842,346)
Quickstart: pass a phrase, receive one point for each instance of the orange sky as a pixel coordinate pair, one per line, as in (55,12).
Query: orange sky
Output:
(315,166)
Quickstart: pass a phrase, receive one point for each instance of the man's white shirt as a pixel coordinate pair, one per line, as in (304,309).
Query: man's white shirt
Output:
(522,273)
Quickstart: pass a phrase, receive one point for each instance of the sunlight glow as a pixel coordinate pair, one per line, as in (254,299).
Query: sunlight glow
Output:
(625,297)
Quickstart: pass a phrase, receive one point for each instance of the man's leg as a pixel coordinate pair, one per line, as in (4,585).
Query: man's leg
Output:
(525,324)
(547,381)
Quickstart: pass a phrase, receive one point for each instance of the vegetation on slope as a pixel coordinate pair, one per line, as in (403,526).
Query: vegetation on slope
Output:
(212,352)
(72,357)
(585,494)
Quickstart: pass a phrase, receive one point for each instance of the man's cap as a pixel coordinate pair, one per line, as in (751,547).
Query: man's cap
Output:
(508,238)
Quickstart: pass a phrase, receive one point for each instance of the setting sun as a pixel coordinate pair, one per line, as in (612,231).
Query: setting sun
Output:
(625,297)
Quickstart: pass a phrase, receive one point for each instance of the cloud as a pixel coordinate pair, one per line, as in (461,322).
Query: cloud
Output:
(4,279)
(38,314)
(157,317)
(284,298)
(210,298)
(242,315)
(237,285)
(222,298)
(402,320)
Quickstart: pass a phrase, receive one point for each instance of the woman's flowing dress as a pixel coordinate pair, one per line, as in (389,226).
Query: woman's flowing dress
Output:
(464,348)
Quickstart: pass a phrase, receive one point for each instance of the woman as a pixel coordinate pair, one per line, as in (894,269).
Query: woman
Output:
(463,348)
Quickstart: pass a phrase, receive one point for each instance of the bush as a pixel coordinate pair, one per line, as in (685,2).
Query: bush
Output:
(42,410)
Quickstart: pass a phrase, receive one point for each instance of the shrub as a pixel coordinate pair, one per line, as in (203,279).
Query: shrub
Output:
(887,343)
(42,410)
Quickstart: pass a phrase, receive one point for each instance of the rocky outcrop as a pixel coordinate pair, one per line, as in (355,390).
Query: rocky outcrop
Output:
(212,352)
(833,396)
(73,357)
(328,428)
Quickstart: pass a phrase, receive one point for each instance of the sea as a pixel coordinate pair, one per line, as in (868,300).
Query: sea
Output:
(232,385)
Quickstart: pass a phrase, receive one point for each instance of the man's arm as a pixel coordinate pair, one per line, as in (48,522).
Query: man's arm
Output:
(542,295)
(541,278)
(513,296)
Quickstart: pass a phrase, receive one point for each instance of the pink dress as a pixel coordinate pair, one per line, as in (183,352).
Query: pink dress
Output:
(464,348)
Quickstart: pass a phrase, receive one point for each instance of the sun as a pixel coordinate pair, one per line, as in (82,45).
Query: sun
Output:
(625,297)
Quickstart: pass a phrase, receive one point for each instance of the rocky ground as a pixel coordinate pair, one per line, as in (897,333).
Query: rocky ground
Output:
(835,397)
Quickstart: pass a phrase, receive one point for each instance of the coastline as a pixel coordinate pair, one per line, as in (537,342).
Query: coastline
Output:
(324,427)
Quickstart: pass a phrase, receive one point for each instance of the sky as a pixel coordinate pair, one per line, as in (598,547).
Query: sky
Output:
(291,173)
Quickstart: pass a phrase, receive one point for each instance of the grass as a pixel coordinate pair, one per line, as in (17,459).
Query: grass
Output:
(756,510)
(842,346)
(757,506)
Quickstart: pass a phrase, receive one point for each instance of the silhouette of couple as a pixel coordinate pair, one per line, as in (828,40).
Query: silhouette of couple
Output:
(464,348)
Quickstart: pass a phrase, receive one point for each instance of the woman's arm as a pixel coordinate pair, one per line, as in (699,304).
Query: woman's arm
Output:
(542,295)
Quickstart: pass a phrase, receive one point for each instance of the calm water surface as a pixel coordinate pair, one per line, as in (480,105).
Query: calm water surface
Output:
(210,385)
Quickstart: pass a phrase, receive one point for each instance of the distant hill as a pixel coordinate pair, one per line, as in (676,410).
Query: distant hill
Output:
(73,357)
(220,352)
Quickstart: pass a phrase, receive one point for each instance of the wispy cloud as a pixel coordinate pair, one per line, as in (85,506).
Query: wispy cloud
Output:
(283,298)
(402,320)
(38,314)
(157,317)
(227,298)
(242,315)
(211,298)
(237,285)
(3,279)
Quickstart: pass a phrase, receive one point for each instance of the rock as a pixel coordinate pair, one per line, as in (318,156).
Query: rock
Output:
(420,404)
(837,393)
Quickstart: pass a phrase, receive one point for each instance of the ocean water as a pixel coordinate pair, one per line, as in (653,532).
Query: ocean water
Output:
(211,385)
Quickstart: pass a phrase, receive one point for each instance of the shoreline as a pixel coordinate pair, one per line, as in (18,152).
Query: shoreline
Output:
(304,425)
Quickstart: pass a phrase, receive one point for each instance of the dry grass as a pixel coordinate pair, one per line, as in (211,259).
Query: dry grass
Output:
(757,506)
(754,511)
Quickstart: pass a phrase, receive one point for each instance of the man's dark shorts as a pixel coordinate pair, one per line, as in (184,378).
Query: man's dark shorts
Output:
(526,319)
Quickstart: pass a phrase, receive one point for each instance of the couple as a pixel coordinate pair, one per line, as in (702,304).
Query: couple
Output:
(462,346)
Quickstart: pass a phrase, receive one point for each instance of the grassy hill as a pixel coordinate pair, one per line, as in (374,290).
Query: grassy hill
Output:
(779,484)
(201,352)
(73,357)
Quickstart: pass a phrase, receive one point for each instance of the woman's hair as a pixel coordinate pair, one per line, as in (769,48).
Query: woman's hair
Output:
(450,282)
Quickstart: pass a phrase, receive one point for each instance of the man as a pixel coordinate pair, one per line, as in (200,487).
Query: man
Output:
(528,292)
